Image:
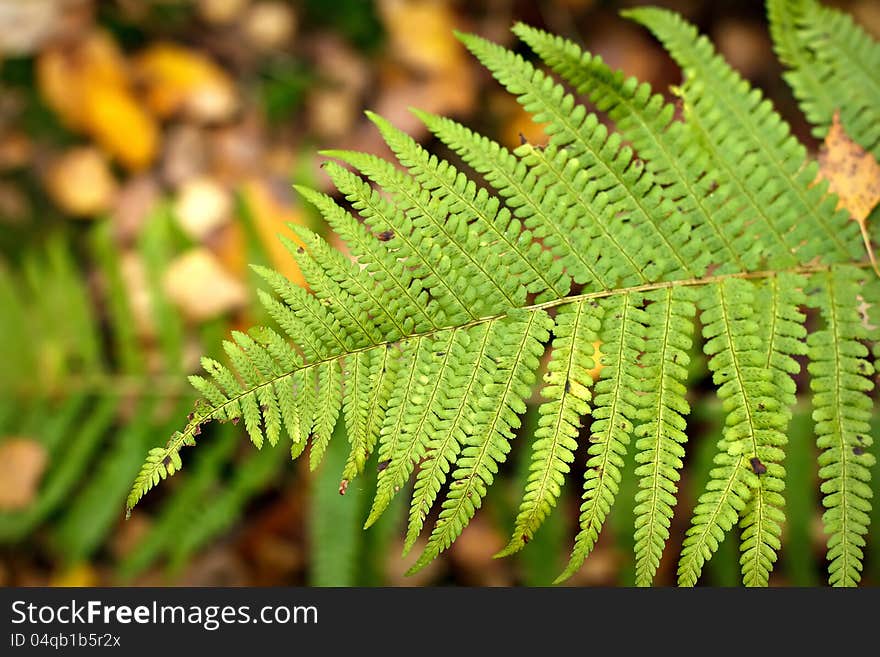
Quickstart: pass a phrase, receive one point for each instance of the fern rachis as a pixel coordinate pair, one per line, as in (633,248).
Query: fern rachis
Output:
(429,346)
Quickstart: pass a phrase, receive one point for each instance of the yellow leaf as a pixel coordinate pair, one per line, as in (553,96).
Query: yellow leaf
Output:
(853,174)
(87,86)
(177,79)
(64,72)
(120,126)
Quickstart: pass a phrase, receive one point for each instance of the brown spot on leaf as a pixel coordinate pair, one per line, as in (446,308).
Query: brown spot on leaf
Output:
(343,486)
(385,235)
(757,466)
(382,465)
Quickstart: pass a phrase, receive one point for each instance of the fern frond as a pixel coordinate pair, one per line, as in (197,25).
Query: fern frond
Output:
(429,338)
(783,336)
(515,345)
(567,391)
(833,66)
(615,407)
(745,132)
(661,432)
(517,252)
(452,424)
(403,434)
(479,288)
(646,121)
(541,209)
(357,383)
(621,183)
(401,293)
(841,378)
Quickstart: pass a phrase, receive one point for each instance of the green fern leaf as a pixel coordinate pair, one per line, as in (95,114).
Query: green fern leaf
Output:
(841,379)
(615,408)
(567,390)
(660,435)
(833,66)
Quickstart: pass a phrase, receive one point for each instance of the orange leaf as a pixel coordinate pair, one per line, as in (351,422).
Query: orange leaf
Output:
(178,79)
(853,174)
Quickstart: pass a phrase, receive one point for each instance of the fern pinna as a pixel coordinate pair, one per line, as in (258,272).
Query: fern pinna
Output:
(602,248)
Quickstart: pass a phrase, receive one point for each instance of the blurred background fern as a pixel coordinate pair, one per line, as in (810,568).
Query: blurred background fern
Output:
(147,151)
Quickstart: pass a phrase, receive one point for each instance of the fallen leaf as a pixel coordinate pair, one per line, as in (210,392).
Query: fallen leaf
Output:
(203,205)
(15,207)
(236,151)
(269,25)
(221,11)
(119,124)
(202,289)
(22,463)
(87,85)
(137,285)
(65,70)
(745,45)
(421,34)
(853,174)
(80,182)
(332,111)
(26,25)
(177,79)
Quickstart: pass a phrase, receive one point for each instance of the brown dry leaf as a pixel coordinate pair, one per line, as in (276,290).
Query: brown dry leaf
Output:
(22,463)
(199,285)
(185,154)
(853,174)
(15,207)
(80,182)
(271,216)
(135,200)
(178,79)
